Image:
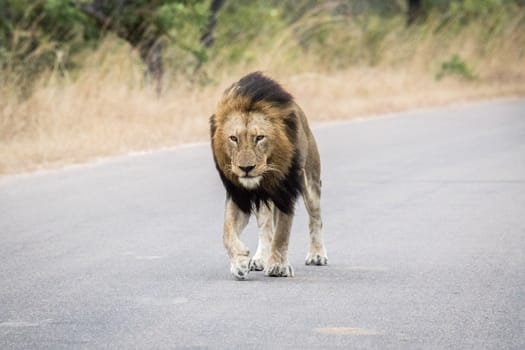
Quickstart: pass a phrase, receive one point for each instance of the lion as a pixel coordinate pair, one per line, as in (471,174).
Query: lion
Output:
(266,156)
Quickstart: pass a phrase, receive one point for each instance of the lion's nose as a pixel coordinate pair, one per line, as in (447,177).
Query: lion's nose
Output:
(247,169)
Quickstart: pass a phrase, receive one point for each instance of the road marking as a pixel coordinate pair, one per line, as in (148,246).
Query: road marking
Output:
(180,300)
(17,324)
(366,268)
(161,301)
(22,324)
(149,257)
(346,331)
(143,257)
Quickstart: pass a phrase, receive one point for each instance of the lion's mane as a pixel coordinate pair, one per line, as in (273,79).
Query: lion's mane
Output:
(257,93)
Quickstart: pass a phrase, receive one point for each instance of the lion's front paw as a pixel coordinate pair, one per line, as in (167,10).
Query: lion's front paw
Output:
(240,268)
(279,270)
(256,265)
(316,259)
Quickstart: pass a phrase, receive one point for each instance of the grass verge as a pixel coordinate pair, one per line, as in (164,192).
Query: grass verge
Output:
(103,108)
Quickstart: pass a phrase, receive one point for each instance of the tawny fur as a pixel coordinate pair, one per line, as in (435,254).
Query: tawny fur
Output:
(266,155)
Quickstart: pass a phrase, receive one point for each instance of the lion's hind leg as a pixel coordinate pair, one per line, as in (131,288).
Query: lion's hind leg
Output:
(265,225)
(311,191)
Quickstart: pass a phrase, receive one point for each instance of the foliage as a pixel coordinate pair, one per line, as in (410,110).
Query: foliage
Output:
(53,35)
(469,10)
(48,34)
(183,23)
(243,22)
(456,66)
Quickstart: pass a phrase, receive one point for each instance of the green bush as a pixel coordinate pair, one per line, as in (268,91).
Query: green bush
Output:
(457,67)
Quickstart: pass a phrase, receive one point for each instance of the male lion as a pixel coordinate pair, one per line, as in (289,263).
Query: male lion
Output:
(266,155)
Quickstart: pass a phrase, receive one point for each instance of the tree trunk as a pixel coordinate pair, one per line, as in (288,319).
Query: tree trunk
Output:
(208,37)
(415,11)
(151,55)
(149,46)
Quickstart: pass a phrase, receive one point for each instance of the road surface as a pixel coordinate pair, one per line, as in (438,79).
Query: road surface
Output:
(424,216)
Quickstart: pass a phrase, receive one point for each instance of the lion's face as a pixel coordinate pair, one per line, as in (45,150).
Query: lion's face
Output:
(253,140)
(248,141)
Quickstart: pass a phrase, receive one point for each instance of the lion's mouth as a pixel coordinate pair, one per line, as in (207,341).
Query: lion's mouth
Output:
(250,182)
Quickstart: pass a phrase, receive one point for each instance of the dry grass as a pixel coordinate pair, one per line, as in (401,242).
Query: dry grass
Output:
(105,110)
(79,121)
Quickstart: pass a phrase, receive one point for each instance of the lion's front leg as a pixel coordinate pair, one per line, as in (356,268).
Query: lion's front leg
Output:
(235,220)
(278,265)
(265,224)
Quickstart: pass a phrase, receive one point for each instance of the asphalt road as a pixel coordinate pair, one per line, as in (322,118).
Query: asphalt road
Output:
(424,217)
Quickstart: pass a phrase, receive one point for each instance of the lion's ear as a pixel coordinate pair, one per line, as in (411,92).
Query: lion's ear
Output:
(213,125)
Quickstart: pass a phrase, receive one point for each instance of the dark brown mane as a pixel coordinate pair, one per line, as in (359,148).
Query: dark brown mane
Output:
(283,196)
(258,88)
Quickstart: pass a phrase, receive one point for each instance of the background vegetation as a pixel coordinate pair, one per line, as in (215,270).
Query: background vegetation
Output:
(82,79)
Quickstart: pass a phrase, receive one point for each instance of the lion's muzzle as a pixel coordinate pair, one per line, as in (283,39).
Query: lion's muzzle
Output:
(247,169)
(246,161)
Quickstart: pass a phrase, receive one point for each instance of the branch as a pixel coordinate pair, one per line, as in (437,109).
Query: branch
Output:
(93,11)
(208,37)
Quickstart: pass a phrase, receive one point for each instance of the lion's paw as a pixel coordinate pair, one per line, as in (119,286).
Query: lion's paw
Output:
(279,270)
(316,259)
(256,265)
(240,269)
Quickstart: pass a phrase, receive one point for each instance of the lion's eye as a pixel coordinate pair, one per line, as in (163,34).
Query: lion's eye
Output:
(259,138)
(233,138)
